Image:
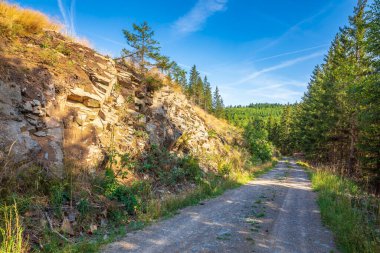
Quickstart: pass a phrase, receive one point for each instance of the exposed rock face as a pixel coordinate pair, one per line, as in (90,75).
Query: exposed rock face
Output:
(103,105)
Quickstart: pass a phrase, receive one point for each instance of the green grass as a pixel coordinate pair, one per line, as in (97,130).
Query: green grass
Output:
(346,210)
(212,186)
(11,231)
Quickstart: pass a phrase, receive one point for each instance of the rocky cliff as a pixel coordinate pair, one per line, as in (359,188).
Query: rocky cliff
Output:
(61,101)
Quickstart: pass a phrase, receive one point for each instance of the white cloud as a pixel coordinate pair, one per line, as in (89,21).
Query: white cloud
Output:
(290,53)
(282,65)
(295,28)
(68,18)
(264,89)
(197,16)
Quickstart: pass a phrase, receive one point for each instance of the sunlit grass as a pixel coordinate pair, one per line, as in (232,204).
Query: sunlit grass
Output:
(346,211)
(15,20)
(11,231)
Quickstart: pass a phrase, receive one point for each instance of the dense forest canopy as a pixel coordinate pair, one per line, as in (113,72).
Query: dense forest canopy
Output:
(242,115)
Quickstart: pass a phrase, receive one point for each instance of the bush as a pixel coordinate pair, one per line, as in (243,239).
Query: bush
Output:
(190,164)
(257,138)
(224,170)
(116,191)
(153,83)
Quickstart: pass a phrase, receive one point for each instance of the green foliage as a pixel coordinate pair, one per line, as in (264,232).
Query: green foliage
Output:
(116,191)
(212,133)
(49,56)
(224,170)
(217,104)
(58,194)
(63,49)
(338,120)
(257,139)
(11,231)
(347,211)
(242,115)
(143,46)
(153,83)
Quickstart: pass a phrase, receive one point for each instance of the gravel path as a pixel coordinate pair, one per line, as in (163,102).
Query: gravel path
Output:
(274,213)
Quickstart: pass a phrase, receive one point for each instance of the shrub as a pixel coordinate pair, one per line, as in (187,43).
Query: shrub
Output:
(116,191)
(190,164)
(153,83)
(224,170)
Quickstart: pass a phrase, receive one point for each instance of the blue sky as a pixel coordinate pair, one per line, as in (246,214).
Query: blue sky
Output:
(253,50)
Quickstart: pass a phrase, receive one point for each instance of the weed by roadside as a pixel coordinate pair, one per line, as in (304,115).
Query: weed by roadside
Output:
(12,238)
(352,215)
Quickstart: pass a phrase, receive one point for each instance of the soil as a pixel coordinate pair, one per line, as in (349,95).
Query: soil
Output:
(274,213)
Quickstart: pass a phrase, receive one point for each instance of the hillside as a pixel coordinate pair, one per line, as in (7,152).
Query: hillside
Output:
(88,142)
(135,152)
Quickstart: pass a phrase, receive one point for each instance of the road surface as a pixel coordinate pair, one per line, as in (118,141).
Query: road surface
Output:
(274,213)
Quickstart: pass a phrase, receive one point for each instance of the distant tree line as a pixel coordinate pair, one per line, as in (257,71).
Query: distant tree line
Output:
(241,116)
(145,51)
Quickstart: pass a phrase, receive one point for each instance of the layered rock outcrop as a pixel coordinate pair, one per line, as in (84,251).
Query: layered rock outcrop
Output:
(95,106)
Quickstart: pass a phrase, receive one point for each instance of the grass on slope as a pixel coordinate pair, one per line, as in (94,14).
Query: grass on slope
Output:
(18,21)
(352,215)
(211,187)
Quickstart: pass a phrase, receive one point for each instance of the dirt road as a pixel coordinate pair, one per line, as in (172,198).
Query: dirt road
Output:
(274,213)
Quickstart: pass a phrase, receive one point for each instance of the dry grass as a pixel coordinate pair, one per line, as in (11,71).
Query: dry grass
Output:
(15,20)
(11,232)
(219,125)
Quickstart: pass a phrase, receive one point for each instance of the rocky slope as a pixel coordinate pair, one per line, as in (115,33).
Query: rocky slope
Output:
(61,101)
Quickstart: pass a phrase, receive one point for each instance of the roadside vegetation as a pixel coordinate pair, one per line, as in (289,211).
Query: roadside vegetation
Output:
(351,213)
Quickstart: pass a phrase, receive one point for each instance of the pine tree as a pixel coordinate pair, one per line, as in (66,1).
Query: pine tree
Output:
(207,95)
(217,104)
(144,47)
(163,63)
(193,80)
(179,75)
(369,97)
(198,92)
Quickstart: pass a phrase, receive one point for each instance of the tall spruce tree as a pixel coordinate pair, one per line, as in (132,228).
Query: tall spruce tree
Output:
(193,80)
(217,104)
(207,106)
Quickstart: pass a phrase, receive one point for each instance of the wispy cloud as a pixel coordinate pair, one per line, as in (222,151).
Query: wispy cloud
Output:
(198,15)
(290,53)
(264,89)
(68,17)
(295,27)
(277,67)
(72,15)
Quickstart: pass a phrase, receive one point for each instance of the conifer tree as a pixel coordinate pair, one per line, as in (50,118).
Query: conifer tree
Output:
(218,106)
(193,80)
(207,95)
(143,46)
